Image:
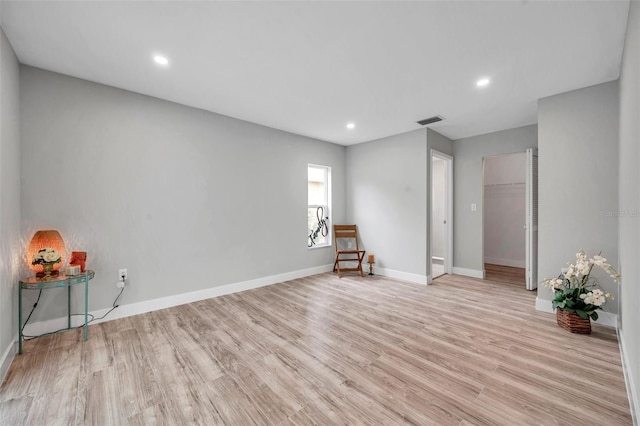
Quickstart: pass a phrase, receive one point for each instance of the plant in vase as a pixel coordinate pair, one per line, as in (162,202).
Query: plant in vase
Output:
(47,257)
(577,296)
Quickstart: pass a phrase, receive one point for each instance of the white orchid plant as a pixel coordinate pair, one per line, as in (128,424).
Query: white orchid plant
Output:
(46,256)
(576,290)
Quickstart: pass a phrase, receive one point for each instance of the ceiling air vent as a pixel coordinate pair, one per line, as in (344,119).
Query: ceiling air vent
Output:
(430,120)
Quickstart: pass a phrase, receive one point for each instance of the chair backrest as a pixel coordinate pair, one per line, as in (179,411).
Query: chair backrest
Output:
(345,237)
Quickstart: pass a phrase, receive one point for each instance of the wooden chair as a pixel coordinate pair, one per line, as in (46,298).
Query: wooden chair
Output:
(345,240)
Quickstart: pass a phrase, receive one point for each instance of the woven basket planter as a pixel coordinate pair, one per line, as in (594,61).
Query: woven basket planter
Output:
(572,322)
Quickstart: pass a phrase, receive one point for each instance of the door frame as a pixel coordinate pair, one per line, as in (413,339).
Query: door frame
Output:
(448,234)
(528,184)
(531,220)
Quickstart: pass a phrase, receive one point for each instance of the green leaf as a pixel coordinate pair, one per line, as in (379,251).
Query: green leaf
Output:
(594,316)
(582,314)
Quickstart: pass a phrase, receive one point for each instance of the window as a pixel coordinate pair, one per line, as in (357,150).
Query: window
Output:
(319,206)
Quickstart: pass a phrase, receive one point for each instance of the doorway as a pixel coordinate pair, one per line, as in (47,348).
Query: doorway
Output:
(441,224)
(510,210)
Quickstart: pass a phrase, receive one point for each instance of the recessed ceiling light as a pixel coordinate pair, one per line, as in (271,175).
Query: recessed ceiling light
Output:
(483,82)
(160,60)
(351,126)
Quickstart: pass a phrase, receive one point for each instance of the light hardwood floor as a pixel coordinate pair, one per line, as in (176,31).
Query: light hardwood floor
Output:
(505,274)
(323,350)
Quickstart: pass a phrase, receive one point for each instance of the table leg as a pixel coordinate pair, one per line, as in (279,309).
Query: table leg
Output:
(68,306)
(86,308)
(19,319)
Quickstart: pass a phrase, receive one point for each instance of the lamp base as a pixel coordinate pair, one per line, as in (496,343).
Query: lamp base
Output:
(52,274)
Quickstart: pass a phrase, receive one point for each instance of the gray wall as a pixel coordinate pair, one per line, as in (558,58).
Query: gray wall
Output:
(10,248)
(629,200)
(467,181)
(578,180)
(439,142)
(183,198)
(387,193)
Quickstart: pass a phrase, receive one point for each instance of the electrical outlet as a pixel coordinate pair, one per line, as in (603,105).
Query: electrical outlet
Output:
(120,284)
(122,273)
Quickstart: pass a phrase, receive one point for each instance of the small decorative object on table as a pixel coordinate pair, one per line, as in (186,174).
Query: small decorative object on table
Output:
(73,270)
(78,258)
(577,297)
(47,257)
(371,260)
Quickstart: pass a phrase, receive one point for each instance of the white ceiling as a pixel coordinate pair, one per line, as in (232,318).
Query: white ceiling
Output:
(311,67)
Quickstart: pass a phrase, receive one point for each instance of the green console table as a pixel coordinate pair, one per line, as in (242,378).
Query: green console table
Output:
(34,283)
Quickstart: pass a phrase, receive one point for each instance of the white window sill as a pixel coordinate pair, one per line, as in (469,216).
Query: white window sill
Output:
(319,246)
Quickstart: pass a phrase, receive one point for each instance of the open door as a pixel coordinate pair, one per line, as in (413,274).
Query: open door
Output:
(531,219)
(441,223)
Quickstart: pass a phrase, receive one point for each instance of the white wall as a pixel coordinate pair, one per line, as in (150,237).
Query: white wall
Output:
(9,200)
(505,169)
(504,209)
(629,202)
(387,193)
(467,182)
(185,199)
(578,181)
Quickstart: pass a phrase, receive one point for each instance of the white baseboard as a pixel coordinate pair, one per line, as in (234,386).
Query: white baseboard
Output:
(634,401)
(404,276)
(474,273)
(505,262)
(604,318)
(167,302)
(7,359)
(544,305)
(607,318)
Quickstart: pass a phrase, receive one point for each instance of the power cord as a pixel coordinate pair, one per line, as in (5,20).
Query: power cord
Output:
(93,318)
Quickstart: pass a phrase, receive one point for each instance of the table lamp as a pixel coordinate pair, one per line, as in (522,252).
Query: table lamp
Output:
(46,239)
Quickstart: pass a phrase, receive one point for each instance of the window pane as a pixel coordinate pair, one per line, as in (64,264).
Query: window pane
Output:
(317,226)
(316,174)
(317,193)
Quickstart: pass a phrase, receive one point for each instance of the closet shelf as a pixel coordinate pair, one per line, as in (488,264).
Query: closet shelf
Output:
(504,184)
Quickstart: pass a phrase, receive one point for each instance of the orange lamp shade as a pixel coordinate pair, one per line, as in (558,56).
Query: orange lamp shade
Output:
(46,239)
